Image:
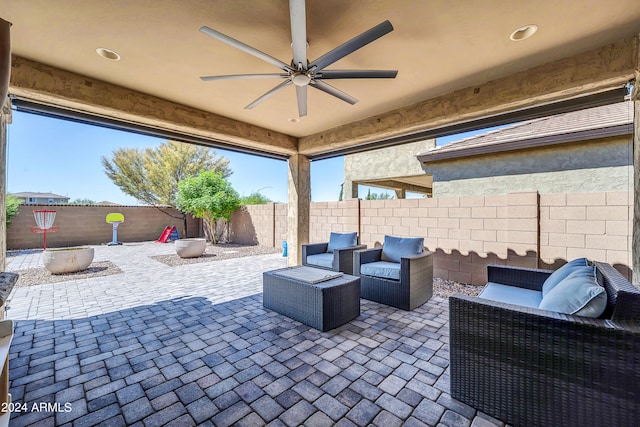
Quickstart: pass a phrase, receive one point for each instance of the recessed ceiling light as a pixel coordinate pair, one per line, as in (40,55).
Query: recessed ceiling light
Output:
(523,33)
(108,54)
(294,120)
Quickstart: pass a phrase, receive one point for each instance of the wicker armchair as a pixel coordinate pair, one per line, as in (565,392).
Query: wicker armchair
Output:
(532,367)
(341,259)
(414,288)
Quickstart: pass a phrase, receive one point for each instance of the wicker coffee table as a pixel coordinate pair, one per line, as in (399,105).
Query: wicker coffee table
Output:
(324,305)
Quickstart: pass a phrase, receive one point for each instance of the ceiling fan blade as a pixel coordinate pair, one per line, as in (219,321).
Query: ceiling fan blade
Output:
(242,77)
(320,85)
(298,32)
(352,45)
(244,47)
(268,94)
(301,94)
(357,74)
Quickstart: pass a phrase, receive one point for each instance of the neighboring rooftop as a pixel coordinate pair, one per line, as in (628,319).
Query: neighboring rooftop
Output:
(591,123)
(28,194)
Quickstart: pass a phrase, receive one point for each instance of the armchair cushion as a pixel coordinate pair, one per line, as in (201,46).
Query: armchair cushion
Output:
(321,260)
(342,240)
(561,273)
(395,248)
(511,295)
(384,269)
(579,294)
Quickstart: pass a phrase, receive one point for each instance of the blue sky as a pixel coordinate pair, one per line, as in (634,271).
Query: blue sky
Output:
(63,157)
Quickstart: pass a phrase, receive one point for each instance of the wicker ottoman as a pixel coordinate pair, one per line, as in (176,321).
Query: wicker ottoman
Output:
(324,305)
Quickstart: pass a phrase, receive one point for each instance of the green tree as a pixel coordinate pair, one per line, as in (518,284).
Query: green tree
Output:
(84,201)
(255,198)
(13,207)
(152,176)
(208,196)
(341,195)
(378,196)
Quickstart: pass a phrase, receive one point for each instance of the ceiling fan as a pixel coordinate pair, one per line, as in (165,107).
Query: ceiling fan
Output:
(302,73)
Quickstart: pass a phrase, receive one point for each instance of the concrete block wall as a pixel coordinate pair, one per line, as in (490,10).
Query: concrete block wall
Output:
(521,229)
(593,225)
(260,225)
(253,224)
(465,233)
(280,230)
(86,225)
(339,217)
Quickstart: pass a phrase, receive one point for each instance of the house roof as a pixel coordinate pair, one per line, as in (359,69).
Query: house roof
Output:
(28,194)
(582,125)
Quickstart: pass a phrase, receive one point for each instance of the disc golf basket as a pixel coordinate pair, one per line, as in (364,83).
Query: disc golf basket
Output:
(115,219)
(44,223)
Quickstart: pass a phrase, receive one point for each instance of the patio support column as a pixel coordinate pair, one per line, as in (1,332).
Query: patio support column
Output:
(635,238)
(635,242)
(299,184)
(349,190)
(5,118)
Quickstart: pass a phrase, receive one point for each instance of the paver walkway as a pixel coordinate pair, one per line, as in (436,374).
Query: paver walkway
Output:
(192,345)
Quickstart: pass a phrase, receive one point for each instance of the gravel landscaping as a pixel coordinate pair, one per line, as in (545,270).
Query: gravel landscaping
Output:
(444,288)
(40,276)
(218,252)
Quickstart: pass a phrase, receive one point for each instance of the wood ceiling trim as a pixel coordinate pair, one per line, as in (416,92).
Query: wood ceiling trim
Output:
(47,85)
(586,73)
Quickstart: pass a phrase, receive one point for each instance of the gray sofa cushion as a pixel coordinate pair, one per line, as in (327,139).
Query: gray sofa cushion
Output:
(321,260)
(342,240)
(384,269)
(561,273)
(578,294)
(511,295)
(395,248)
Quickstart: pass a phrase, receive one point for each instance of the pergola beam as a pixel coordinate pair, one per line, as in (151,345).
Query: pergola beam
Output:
(586,73)
(395,185)
(47,85)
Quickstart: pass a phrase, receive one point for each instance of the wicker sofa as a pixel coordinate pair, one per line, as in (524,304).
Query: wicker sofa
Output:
(532,367)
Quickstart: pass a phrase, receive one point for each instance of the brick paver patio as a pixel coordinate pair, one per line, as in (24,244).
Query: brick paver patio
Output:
(192,345)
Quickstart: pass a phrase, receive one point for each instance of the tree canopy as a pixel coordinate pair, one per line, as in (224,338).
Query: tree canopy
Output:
(378,196)
(84,201)
(152,175)
(12,206)
(255,198)
(208,196)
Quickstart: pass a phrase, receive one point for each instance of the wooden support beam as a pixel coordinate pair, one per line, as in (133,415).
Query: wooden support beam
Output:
(586,73)
(52,86)
(396,185)
(298,207)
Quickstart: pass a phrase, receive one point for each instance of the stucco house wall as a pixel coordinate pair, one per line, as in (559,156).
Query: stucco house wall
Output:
(383,163)
(594,166)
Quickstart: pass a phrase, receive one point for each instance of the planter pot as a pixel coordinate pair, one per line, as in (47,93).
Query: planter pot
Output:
(67,260)
(190,248)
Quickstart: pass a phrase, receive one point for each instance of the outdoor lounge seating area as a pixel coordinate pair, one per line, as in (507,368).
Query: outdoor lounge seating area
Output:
(534,367)
(211,354)
(222,340)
